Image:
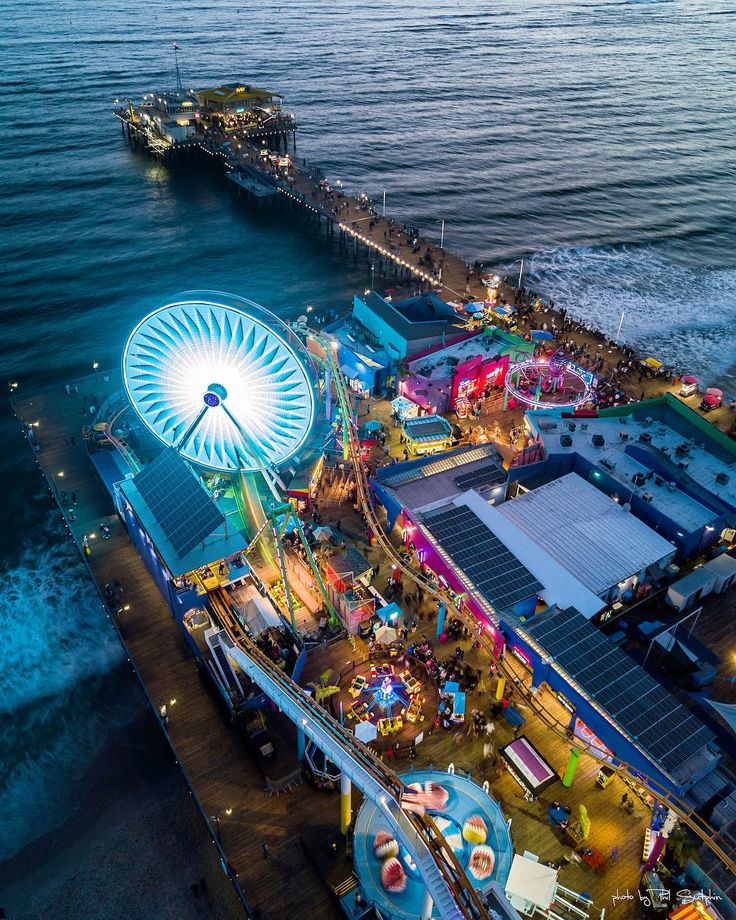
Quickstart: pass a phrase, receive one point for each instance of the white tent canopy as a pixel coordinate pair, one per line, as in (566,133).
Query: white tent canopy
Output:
(530,883)
(386,635)
(366,732)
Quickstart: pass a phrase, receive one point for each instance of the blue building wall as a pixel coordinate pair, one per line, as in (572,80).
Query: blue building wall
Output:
(372,379)
(623,750)
(394,343)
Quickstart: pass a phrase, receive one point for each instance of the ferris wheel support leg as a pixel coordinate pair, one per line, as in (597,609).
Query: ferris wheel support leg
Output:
(346,803)
(285,577)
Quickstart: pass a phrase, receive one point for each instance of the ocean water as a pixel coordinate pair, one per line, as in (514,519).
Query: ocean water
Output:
(594,139)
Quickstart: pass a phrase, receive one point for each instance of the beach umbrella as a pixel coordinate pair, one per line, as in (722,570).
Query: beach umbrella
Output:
(323,534)
(373,425)
(542,335)
(714,391)
(386,635)
(710,399)
(688,378)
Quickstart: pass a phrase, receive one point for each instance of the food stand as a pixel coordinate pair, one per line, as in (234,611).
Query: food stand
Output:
(457,701)
(525,763)
(427,434)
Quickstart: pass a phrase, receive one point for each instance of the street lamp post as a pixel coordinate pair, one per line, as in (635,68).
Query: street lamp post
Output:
(442,236)
(216,819)
(56,484)
(373,275)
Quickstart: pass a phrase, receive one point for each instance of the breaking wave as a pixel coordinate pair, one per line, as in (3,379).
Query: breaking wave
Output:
(62,691)
(681,315)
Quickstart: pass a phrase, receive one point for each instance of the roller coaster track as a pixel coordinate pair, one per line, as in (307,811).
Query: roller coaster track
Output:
(707,834)
(126,453)
(443,875)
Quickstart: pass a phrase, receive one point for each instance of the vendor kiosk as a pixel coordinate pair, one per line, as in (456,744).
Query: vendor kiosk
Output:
(530,770)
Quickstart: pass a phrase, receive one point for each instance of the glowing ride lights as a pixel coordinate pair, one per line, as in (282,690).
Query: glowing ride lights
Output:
(221,380)
(549,383)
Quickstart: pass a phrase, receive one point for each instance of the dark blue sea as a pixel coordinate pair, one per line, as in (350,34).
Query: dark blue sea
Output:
(593,138)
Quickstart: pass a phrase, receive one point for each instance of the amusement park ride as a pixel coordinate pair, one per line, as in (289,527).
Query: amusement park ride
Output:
(230,388)
(227,385)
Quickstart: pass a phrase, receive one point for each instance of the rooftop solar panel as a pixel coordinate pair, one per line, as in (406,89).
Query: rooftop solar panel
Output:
(487,475)
(646,711)
(494,570)
(178,500)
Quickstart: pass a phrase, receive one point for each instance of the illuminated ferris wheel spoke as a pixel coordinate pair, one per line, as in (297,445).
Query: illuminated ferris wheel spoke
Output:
(238,360)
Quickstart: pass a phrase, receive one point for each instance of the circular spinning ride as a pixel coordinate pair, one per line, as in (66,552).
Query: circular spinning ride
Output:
(221,380)
(549,383)
(464,813)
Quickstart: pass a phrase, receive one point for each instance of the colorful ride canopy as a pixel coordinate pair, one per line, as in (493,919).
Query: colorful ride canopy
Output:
(222,380)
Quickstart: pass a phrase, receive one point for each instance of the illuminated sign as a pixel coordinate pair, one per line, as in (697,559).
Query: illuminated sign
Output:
(561,698)
(521,656)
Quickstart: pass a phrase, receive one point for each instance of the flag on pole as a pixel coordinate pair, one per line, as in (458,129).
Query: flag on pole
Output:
(175,46)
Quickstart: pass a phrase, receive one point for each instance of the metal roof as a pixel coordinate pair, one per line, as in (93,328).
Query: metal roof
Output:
(180,503)
(659,724)
(586,532)
(493,569)
(427,428)
(419,483)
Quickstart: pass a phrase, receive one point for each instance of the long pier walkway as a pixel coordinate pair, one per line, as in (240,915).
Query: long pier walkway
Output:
(216,763)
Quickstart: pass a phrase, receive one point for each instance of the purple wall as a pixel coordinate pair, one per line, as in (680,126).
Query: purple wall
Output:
(434,561)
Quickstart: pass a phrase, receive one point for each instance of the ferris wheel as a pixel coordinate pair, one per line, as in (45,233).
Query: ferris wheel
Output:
(222,381)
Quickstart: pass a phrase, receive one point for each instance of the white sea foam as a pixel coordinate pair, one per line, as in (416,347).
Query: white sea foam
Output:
(60,696)
(683,316)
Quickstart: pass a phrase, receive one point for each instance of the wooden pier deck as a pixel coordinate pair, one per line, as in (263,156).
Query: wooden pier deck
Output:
(612,830)
(213,756)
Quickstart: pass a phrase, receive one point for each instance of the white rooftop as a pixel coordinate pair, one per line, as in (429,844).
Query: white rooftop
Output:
(560,586)
(614,458)
(586,532)
(531,883)
(440,365)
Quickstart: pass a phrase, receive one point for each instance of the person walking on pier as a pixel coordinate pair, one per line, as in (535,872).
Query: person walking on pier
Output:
(264,849)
